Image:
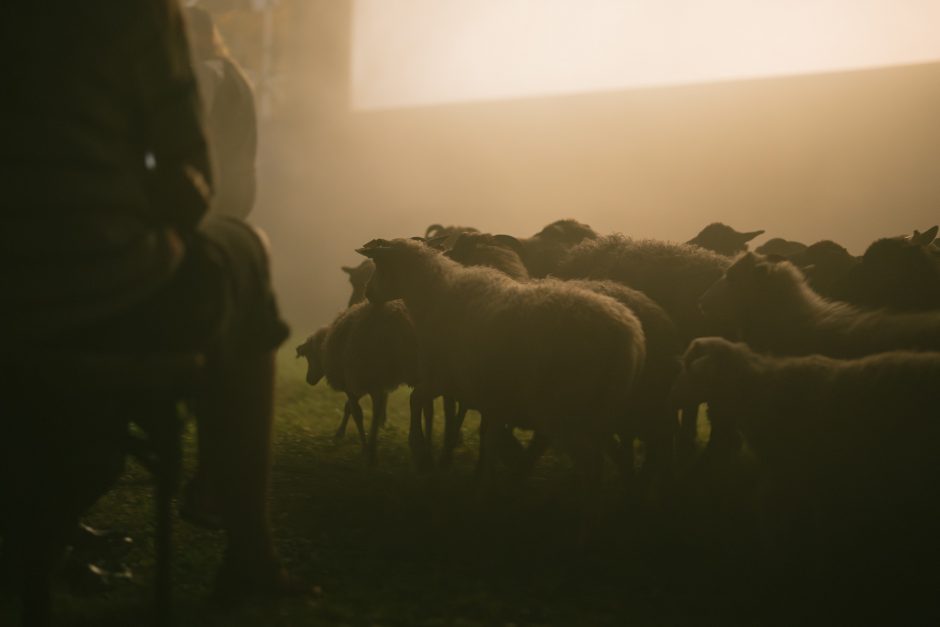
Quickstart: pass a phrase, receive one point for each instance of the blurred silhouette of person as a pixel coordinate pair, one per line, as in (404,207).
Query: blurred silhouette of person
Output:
(231,120)
(106,181)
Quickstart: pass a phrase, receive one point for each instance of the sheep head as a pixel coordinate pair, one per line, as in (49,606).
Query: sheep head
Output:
(753,285)
(543,251)
(714,371)
(502,252)
(359,278)
(312,351)
(723,239)
(397,262)
(926,238)
(901,274)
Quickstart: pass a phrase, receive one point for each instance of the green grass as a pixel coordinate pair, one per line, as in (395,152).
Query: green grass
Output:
(391,547)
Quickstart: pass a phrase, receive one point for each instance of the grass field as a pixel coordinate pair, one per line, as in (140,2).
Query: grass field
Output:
(391,547)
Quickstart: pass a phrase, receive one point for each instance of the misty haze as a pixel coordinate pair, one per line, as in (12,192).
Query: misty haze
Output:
(470,312)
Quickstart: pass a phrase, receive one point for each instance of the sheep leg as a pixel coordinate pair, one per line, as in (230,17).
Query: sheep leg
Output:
(657,475)
(489,445)
(587,453)
(341,430)
(622,454)
(418,404)
(537,447)
(352,405)
(379,406)
(429,431)
(451,431)
(356,412)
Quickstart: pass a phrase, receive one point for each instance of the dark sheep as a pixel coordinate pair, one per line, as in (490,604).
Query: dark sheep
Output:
(367,350)
(722,239)
(774,309)
(780,247)
(674,275)
(663,346)
(825,264)
(443,237)
(544,356)
(847,448)
(895,273)
(501,252)
(359,277)
(543,251)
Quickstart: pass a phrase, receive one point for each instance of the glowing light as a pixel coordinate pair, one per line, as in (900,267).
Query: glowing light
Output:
(419,52)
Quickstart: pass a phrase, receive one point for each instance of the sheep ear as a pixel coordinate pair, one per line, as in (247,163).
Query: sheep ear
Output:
(746,237)
(925,238)
(347,269)
(375,248)
(509,241)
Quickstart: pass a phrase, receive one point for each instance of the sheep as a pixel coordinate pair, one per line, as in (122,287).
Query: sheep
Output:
(850,445)
(782,248)
(895,273)
(443,237)
(367,350)
(662,342)
(358,277)
(543,356)
(502,252)
(543,251)
(722,239)
(774,310)
(825,265)
(674,275)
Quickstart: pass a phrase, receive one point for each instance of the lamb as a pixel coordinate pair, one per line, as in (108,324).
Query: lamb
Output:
(367,350)
(662,342)
(901,274)
(774,310)
(722,239)
(543,251)
(845,443)
(545,356)
(781,248)
(358,277)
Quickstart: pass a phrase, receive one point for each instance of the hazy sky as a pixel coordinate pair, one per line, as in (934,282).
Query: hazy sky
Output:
(416,52)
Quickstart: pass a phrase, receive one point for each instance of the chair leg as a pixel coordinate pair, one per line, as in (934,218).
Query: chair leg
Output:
(167,441)
(37,596)
(40,545)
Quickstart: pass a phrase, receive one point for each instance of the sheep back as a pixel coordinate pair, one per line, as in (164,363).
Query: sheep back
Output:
(673,275)
(370,348)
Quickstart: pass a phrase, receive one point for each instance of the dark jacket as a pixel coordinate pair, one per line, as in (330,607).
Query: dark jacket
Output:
(102,155)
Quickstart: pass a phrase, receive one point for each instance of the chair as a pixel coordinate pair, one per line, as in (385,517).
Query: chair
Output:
(149,388)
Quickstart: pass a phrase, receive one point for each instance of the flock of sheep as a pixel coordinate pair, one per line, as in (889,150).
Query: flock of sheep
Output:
(824,364)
